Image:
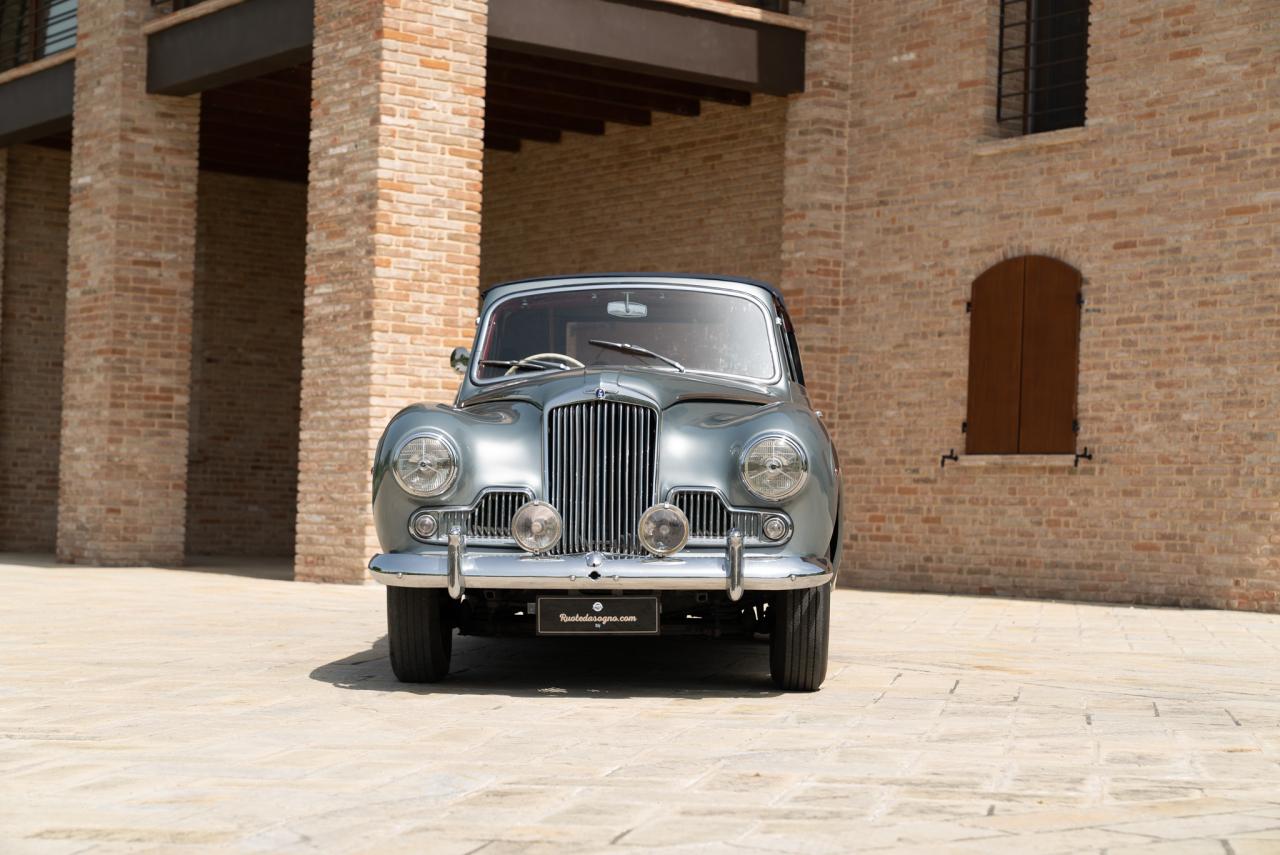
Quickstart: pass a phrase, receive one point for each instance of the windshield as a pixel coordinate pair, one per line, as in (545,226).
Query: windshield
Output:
(668,329)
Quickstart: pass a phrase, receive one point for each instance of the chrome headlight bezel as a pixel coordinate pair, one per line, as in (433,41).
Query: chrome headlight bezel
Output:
(455,459)
(745,457)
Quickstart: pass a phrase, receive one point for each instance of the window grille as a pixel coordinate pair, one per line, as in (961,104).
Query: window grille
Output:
(1043,80)
(34,29)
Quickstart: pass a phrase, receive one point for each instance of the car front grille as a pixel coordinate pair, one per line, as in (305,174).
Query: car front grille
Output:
(601,473)
(710,520)
(488,522)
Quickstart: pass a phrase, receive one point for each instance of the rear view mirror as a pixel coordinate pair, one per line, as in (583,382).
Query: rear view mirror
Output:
(460,359)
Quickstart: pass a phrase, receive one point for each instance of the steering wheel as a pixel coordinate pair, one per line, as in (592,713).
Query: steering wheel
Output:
(567,361)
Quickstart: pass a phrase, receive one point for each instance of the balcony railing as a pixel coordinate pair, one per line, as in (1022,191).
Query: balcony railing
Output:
(34,29)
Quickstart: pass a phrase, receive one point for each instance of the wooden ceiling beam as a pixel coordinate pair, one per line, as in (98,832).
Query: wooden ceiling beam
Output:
(566,105)
(591,90)
(501,143)
(524,132)
(543,119)
(616,77)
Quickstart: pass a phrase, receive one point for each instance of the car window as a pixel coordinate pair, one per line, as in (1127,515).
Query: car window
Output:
(703,331)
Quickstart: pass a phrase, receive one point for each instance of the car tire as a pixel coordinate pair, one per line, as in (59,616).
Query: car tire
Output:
(419,633)
(800,638)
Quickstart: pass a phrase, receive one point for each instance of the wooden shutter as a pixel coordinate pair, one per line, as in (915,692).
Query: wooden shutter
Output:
(995,359)
(1050,357)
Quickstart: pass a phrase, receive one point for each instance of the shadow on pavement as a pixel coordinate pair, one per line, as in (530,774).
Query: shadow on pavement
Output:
(607,668)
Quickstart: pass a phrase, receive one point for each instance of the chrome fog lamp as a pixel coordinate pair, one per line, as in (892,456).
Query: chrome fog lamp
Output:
(424,525)
(664,529)
(774,467)
(775,528)
(536,527)
(426,464)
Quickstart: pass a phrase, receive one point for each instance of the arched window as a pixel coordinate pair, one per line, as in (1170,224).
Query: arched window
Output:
(1024,346)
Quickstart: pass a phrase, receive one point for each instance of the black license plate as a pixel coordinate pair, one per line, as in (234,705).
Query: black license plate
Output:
(597,615)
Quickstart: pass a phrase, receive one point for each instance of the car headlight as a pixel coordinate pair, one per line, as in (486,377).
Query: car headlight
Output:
(536,527)
(774,467)
(426,464)
(664,530)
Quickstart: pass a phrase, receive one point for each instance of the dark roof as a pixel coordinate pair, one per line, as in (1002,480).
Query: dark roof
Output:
(772,289)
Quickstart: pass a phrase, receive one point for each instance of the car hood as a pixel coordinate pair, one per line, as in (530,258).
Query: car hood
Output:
(662,388)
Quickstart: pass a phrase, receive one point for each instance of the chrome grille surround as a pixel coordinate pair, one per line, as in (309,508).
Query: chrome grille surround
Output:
(486,522)
(602,467)
(711,518)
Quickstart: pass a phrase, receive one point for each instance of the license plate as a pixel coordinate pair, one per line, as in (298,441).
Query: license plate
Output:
(597,615)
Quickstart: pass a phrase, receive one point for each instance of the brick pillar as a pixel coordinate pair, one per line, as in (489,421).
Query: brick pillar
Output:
(815,197)
(126,379)
(393,247)
(4,163)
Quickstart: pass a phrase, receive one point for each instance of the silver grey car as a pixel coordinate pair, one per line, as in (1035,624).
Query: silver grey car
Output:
(627,454)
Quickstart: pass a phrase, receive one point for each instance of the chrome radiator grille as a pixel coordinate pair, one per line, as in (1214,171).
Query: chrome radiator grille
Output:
(488,522)
(600,473)
(710,520)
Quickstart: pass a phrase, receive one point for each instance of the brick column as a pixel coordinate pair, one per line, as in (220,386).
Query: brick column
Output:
(393,247)
(130,269)
(815,197)
(4,163)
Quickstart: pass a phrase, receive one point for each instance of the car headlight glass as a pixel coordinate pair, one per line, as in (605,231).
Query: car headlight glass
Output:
(536,527)
(664,529)
(426,464)
(774,467)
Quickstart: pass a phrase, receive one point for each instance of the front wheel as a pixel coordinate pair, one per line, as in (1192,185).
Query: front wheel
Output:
(420,634)
(800,637)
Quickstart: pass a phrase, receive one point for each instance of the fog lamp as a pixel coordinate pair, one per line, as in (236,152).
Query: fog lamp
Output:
(775,528)
(423,526)
(536,527)
(664,529)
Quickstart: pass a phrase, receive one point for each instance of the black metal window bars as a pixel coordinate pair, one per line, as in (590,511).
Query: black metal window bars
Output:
(1043,76)
(34,29)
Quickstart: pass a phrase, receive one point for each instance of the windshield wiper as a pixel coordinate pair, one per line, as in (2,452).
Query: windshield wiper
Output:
(638,350)
(533,364)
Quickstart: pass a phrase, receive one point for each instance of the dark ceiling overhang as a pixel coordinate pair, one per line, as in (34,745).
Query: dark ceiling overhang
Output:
(235,43)
(655,38)
(260,36)
(37,105)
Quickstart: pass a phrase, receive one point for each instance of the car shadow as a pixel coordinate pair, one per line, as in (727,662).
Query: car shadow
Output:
(607,668)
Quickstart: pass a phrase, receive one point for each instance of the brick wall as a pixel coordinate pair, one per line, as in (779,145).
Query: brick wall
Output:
(1169,203)
(33,222)
(246,366)
(393,247)
(686,194)
(130,268)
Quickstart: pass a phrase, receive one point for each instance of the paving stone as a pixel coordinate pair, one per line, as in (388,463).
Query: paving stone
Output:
(172,711)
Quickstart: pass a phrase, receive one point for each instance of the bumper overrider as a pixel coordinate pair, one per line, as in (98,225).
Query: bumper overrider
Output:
(456,568)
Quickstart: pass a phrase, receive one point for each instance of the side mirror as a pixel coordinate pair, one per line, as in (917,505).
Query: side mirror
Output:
(460,359)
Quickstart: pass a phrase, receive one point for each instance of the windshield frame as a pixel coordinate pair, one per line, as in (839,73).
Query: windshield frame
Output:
(765,308)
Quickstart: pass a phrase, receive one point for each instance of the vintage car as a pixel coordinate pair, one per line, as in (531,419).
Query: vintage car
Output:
(627,454)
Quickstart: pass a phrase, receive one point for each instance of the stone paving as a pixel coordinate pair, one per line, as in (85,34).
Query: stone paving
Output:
(157,710)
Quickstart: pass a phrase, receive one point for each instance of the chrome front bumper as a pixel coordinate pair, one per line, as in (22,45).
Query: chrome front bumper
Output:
(685,571)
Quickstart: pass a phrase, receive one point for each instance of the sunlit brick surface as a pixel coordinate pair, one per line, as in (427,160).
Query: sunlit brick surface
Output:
(155,710)
(1167,203)
(393,248)
(131,262)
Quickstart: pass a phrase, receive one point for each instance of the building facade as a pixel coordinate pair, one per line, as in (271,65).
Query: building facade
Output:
(240,234)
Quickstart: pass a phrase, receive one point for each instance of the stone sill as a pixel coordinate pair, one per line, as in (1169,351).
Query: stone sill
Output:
(1035,142)
(191,13)
(38,66)
(748,13)
(1003,461)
